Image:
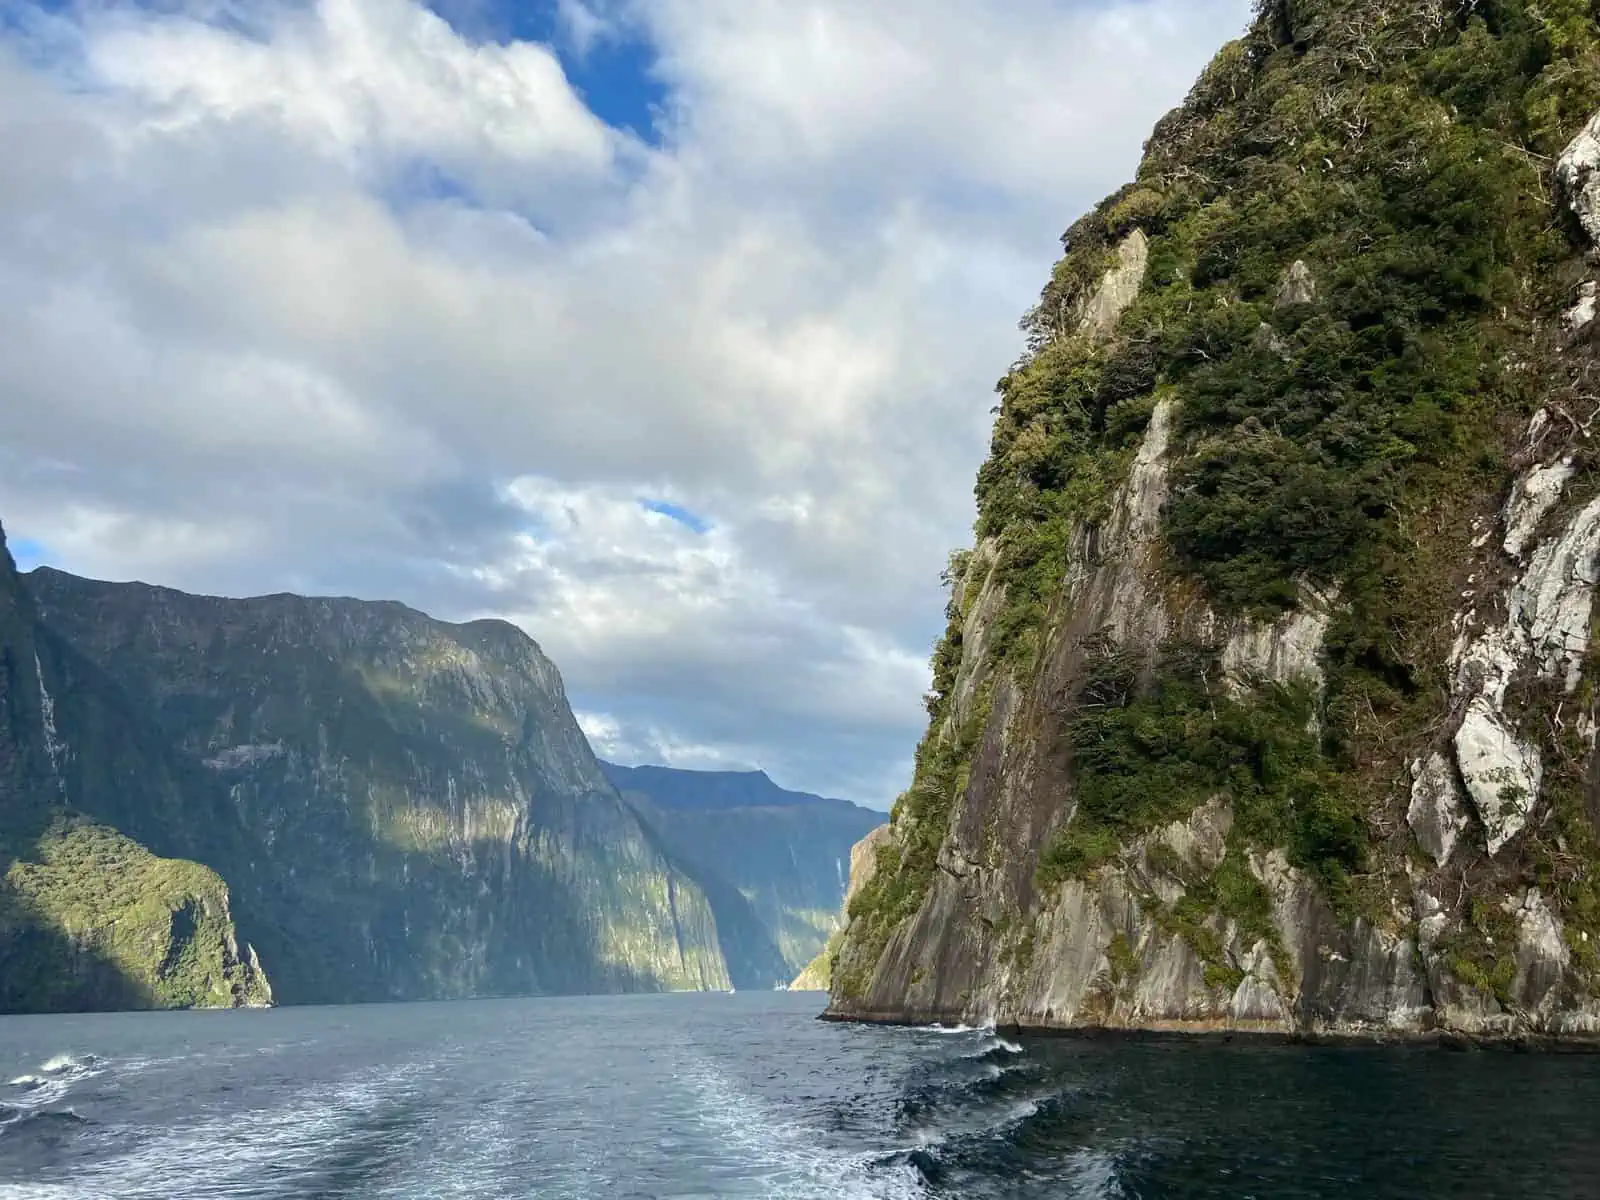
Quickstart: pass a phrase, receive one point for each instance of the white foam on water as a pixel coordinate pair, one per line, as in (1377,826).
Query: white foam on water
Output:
(982,1121)
(990,1044)
(55,1079)
(231,1154)
(790,1160)
(1094,1175)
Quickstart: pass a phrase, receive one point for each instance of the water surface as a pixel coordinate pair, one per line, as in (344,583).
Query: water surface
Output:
(749,1096)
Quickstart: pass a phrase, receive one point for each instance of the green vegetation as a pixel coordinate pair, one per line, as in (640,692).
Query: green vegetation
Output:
(1481,954)
(1120,956)
(158,928)
(1423,211)
(1147,758)
(402,808)
(1229,893)
(818,974)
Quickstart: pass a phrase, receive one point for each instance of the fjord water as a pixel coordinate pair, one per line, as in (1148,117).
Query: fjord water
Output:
(749,1096)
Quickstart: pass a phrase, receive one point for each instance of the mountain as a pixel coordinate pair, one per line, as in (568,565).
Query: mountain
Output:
(403,808)
(90,918)
(785,853)
(1267,698)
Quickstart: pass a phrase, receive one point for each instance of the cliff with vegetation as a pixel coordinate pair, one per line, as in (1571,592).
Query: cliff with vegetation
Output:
(90,918)
(817,976)
(1268,695)
(785,855)
(411,809)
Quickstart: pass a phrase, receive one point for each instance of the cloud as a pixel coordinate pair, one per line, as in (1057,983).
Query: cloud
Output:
(583,25)
(364,80)
(343,296)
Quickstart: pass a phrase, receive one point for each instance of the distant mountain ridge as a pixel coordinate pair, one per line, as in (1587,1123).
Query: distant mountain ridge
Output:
(675,787)
(787,854)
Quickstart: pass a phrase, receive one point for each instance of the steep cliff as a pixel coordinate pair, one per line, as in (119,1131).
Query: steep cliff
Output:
(818,973)
(410,809)
(785,853)
(89,918)
(1267,699)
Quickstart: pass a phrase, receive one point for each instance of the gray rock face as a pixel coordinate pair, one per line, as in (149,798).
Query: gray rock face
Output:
(1578,173)
(1545,628)
(1284,650)
(1298,286)
(1118,288)
(1438,812)
(1534,495)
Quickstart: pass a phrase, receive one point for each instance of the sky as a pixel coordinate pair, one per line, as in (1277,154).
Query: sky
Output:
(665,329)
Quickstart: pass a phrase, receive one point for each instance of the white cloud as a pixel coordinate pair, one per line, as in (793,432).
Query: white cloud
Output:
(357,78)
(331,297)
(583,25)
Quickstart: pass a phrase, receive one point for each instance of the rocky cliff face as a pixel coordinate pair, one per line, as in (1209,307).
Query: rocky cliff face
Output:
(818,973)
(89,918)
(410,810)
(1267,700)
(785,854)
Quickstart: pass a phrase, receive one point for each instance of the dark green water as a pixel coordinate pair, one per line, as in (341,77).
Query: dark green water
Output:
(749,1096)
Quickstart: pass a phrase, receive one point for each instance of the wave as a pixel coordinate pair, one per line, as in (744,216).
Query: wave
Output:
(993,1045)
(793,1159)
(67,1064)
(38,1093)
(47,1119)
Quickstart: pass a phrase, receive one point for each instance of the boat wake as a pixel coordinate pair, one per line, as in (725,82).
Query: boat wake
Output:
(344,1138)
(792,1160)
(972,1124)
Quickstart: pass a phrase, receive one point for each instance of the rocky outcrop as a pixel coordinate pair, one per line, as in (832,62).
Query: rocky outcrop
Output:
(1578,174)
(1544,628)
(818,973)
(864,861)
(1437,813)
(1298,287)
(403,808)
(1119,287)
(1284,743)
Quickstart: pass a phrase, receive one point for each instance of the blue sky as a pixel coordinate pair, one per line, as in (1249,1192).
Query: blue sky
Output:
(612,72)
(676,512)
(27,553)
(666,329)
